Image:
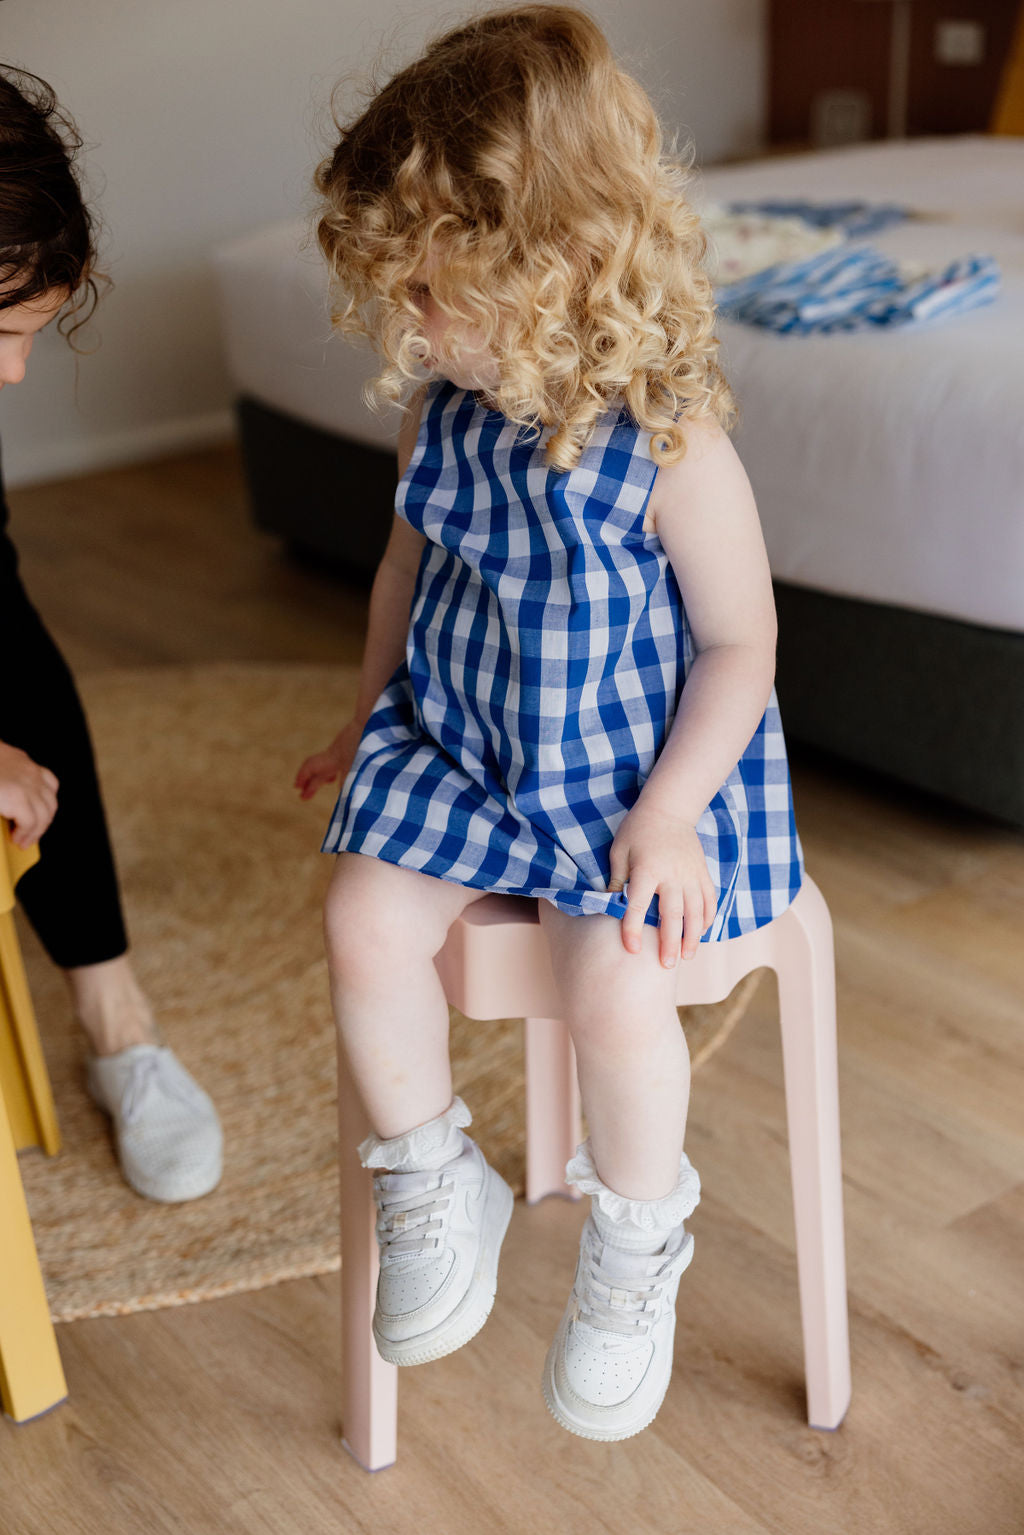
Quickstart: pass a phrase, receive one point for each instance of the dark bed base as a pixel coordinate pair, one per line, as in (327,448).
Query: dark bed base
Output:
(929,700)
(934,702)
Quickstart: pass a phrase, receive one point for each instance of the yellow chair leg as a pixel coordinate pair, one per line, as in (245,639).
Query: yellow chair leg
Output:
(24,1082)
(31,1375)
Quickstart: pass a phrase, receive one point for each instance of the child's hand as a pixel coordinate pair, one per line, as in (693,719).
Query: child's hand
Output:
(28,795)
(659,853)
(324,767)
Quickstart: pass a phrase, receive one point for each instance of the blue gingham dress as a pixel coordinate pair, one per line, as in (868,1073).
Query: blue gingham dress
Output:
(547,648)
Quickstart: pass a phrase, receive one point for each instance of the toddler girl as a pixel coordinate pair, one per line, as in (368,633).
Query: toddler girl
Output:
(567,691)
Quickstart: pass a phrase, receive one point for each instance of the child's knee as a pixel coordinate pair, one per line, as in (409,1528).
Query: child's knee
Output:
(591,962)
(356,920)
(378,916)
(609,994)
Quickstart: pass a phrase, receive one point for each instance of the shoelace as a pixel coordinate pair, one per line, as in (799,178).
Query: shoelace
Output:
(624,1309)
(411,1223)
(147,1074)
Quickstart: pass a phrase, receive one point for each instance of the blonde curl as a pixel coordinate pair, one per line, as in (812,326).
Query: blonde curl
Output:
(527,172)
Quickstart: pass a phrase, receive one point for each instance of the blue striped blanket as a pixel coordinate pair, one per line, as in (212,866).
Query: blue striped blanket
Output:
(852,288)
(853,219)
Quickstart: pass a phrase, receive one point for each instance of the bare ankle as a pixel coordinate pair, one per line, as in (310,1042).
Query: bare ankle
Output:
(111,1006)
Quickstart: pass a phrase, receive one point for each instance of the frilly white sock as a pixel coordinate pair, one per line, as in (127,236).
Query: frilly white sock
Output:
(634,1223)
(422,1149)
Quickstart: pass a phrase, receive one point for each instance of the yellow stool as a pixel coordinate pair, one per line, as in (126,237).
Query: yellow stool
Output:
(31,1377)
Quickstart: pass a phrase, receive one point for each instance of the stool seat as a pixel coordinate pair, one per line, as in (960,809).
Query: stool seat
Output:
(496,951)
(495,964)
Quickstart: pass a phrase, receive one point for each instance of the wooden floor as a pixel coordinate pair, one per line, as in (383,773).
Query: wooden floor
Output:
(224,1416)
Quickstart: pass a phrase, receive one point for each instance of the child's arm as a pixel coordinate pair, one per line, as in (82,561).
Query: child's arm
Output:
(387,629)
(705,516)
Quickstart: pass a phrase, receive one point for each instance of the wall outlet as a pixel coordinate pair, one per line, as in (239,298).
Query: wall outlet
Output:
(959,42)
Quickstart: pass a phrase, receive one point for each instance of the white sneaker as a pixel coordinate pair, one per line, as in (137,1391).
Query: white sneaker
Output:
(440,1234)
(166,1129)
(609,1366)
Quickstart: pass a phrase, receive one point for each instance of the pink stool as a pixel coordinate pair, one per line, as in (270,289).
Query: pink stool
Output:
(495,965)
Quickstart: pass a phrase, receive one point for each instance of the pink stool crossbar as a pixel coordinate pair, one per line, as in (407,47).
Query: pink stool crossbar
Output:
(495,965)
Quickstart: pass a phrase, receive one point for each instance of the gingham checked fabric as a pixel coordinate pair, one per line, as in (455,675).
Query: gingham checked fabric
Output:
(546,651)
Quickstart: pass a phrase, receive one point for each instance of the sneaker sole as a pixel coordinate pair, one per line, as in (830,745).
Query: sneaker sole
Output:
(564,1416)
(475,1306)
(178,1194)
(576,1426)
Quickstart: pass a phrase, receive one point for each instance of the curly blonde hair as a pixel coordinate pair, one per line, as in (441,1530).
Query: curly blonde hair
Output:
(526,171)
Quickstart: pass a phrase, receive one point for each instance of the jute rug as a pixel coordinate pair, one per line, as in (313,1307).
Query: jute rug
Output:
(223,885)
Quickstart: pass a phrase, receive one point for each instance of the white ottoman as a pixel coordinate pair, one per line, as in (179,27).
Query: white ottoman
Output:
(320,465)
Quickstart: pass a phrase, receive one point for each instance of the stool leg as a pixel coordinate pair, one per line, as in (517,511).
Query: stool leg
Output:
(553,1127)
(807,1010)
(369,1412)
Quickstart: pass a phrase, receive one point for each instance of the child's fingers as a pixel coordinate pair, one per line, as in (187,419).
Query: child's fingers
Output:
(710,902)
(670,912)
(314,772)
(693,901)
(641,893)
(311,765)
(619,869)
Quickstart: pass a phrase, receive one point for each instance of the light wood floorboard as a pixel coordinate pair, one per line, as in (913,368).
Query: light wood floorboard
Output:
(223,1417)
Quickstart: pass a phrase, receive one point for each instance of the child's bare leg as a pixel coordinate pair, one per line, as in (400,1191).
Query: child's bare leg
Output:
(442,1212)
(383,926)
(610,1361)
(634,1067)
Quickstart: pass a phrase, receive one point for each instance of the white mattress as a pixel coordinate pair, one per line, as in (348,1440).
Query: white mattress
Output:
(280,348)
(887,465)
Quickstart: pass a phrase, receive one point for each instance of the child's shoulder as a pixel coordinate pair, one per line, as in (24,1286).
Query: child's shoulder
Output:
(705,481)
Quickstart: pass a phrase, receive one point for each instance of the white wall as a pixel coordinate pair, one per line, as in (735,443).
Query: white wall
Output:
(203,120)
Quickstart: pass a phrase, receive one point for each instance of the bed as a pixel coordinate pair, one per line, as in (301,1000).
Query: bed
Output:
(888,466)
